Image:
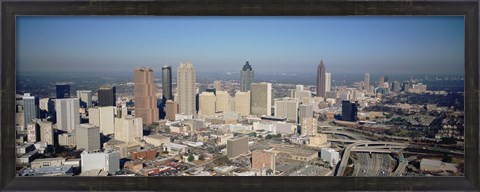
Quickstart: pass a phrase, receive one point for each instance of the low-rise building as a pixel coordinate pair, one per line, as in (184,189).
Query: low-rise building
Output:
(108,161)
(330,155)
(48,162)
(156,139)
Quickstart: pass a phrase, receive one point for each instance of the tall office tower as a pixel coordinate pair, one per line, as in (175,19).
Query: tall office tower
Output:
(85,98)
(87,137)
(305,111)
(242,103)
(237,146)
(287,108)
(246,77)
(381,81)
(46,132)
(46,104)
(366,81)
(30,108)
(68,117)
(303,95)
(321,79)
(171,108)
(396,86)
(222,102)
(33,131)
(108,161)
(308,126)
(128,129)
(167,83)
(387,78)
(144,93)
(107,121)
(328,82)
(263,160)
(107,96)
(231,103)
(186,81)
(261,99)
(94,116)
(349,111)
(217,85)
(206,103)
(62,90)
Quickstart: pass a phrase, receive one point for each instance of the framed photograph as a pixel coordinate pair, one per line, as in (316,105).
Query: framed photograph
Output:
(239,95)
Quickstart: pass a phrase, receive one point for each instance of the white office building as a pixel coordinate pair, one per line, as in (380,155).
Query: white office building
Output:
(108,161)
(330,155)
(68,116)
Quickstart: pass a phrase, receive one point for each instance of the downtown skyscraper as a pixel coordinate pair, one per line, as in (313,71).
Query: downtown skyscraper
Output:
(107,96)
(246,77)
(167,83)
(144,93)
(321,80)
(186,81)
(366,81)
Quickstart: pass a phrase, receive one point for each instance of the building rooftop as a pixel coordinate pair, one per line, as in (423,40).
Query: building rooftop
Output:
(431,162)
(60,170)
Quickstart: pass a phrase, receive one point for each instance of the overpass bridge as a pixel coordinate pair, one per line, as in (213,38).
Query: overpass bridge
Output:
(368,146)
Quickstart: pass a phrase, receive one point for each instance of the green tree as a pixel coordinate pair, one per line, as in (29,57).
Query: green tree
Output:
(190,158)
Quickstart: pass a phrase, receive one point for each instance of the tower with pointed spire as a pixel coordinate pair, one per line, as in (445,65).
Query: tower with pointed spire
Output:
(246,77)
(321,79)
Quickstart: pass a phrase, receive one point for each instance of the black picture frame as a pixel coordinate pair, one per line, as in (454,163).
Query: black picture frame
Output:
(468,8)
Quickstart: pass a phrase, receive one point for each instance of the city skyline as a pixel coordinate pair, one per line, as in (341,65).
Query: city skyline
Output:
(291,44)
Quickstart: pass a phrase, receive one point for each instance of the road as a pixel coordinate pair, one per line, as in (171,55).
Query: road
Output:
(346,154)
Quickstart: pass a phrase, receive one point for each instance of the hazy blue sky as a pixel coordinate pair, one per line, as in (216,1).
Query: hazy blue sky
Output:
(427,44)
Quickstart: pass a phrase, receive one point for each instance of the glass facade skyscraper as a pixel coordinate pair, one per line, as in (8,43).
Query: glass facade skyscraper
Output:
(167,83)
(321,80)
(246,77)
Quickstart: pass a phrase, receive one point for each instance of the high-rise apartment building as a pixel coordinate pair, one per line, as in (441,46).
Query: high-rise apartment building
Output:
(242,103)
(171,108)
(237,146)
(128,129)
(85,97)
(186,81)
(366,81)
(207,103)
(321,79)
(167,83)
(287,108)
(62,90)
(107,96)
(261,99)
(31,109)
(144,93)
(328,82)
(222,101)
(68,117)
(246,77)
(87,137)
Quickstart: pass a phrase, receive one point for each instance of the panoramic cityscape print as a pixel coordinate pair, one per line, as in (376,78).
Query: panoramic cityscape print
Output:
(240,96)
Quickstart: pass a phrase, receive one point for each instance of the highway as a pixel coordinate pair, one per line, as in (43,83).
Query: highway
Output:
(346,154)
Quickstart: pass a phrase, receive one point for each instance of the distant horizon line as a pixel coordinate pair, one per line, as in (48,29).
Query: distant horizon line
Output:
(238,72)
